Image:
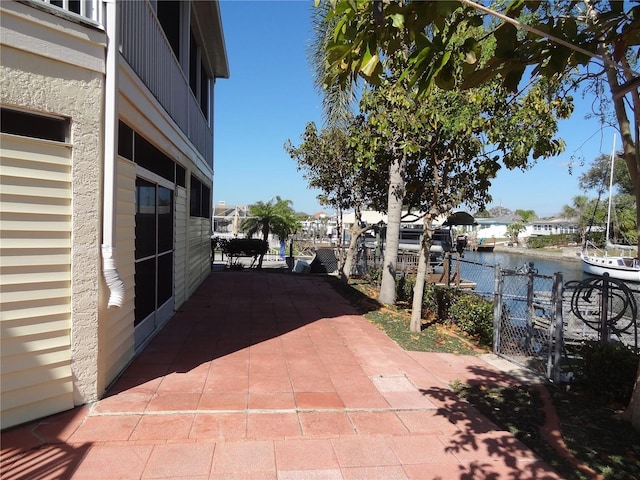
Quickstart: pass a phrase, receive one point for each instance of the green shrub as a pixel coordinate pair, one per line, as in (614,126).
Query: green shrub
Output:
(553,240)
(374,275)
(609,371)
(438,300)
(473,315)
(246,246)
(404,288)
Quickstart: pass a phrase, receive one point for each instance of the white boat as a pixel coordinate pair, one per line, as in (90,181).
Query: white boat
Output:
(620,267)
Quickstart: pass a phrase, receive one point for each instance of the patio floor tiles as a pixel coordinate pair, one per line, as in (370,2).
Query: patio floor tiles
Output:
(180,460)
(440,470)
(271,401)
(243,458)
(217,383)
(377,423)
(173,401)
(415,399)
(124,402)
(270,383)
(49,462)
(134,385)
(318,400)
(105,428)
(189,382)
(363,451)
(227,426)
(107,462)
(223,401)
(392,472)
(427,422)
(417,449)
(57,428)
(312,382)
(325,424)
(494,446)
(362,399)
(268,364)
(271,426)
(163,427)
(145,371)
(305,455)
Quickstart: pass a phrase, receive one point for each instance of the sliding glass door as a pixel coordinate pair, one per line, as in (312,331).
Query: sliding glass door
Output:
(154,257)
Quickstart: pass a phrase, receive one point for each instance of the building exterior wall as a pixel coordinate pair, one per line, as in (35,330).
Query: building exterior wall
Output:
(119,344)
(35,298)
(61,345)
(51,66)
(180,257)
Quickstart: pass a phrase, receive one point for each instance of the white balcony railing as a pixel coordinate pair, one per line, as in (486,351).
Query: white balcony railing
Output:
(144,46)
(146,49)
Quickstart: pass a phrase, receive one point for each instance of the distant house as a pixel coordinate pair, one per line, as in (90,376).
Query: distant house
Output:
(552,226)
(107,165)
(493,227)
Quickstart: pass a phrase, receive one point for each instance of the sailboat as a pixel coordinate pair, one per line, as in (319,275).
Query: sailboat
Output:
(621,267)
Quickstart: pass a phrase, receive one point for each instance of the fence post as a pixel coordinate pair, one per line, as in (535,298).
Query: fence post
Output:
(604,309)
(553,370)
(497,309)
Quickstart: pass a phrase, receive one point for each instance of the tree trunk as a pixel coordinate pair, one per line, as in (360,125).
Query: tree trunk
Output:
(265,237)
(632,413)
(356,231)
(394,214)
(421,276)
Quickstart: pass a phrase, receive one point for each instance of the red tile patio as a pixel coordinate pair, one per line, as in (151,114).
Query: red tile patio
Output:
(266,375)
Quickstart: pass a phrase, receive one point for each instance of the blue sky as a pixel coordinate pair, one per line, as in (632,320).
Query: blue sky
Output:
(270,97)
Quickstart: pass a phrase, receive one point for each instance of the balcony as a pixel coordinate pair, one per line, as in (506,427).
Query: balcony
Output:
(144,46)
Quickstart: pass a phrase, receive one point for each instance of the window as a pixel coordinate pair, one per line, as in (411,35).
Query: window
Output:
(149,157)
(200,201)
(18,122)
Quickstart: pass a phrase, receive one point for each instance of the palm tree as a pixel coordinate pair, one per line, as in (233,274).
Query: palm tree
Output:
(276,216)
(337,99)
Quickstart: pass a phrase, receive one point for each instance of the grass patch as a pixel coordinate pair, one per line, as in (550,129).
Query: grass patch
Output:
(596,441)
(595,438)
(395,320)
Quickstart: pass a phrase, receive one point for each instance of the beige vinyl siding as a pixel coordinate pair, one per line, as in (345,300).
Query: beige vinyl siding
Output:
(180,252)
(199,251)
(120,341)
(35,278)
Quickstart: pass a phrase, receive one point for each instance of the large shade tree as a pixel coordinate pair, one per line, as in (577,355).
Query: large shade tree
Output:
(420,139)
(447,146)
(594,43)
(328,162)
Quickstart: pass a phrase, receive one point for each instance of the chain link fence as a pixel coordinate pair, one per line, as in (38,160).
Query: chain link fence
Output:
(539,322)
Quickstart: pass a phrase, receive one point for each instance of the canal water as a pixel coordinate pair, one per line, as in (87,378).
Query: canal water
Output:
(571,269)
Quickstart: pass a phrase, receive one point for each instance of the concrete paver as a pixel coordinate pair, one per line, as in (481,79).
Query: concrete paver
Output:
(265,375)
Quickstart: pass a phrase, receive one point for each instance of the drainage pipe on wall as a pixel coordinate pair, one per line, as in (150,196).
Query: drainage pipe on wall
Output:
(109,267)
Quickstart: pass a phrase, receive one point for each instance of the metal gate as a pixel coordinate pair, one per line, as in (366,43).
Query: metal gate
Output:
(528,319)
(541,323)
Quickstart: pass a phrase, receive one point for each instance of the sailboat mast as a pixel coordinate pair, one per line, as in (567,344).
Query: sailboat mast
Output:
(613,156)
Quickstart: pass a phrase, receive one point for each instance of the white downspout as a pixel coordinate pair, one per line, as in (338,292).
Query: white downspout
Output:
(109,269)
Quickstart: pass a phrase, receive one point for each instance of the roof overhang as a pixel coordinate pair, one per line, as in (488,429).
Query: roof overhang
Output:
(207,15)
